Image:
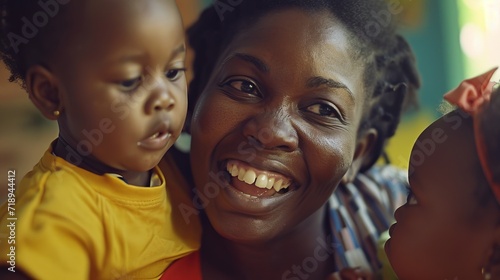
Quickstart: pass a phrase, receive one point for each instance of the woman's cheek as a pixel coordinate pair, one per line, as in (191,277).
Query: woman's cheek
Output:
(328,158)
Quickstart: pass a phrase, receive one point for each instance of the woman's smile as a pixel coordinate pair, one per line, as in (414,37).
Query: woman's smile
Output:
(256,182)
(255,188)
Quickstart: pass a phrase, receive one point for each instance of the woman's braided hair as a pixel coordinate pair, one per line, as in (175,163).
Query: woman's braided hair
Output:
(391,78)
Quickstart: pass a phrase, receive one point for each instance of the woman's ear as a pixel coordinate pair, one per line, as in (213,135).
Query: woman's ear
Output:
(43,90)
(364,148)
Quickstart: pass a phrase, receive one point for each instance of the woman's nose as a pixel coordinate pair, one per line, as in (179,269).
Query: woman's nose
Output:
(272,130)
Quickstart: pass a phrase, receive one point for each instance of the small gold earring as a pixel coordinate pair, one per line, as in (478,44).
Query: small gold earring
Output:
(56,113)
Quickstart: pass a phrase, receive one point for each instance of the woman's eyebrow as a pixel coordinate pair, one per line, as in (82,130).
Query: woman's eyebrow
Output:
(259,64)
(318,81)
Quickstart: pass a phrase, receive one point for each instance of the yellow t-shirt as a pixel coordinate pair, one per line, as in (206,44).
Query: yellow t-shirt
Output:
(74,224)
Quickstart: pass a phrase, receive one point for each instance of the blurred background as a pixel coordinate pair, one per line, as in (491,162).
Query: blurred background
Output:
(452,39)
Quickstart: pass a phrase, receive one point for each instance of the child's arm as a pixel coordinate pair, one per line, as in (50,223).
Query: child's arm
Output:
(49,246)
(52,237)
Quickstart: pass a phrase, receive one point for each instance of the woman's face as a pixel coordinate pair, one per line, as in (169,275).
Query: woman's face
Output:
(275,129)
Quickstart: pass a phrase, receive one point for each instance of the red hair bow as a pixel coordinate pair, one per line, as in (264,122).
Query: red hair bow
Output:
(472,93)
(469,96)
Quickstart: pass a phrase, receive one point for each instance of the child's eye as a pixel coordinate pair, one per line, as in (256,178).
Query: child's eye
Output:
(174,74)
(410,199)
(130,85)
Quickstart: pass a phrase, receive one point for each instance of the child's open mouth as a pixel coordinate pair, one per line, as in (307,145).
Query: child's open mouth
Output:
(157,141)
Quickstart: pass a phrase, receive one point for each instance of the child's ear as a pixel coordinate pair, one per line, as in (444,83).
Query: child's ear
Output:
(43,90)
(364,148)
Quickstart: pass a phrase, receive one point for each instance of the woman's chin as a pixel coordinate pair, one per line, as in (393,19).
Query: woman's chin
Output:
(242,229)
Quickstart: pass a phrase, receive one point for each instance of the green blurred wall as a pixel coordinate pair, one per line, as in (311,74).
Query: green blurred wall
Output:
(436,43)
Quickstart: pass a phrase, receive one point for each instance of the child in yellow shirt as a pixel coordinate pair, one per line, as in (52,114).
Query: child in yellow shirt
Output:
(111,73)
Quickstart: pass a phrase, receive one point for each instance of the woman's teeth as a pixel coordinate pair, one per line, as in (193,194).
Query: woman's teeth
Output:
(262,181)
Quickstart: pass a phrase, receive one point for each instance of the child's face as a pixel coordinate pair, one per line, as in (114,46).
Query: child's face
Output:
(123,89)
(443,231)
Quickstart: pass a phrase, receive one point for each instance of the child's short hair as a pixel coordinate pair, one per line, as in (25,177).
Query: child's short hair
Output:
(31,32)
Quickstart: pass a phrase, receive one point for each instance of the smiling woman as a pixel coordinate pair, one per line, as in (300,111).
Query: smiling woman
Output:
(310,150)
(289,101)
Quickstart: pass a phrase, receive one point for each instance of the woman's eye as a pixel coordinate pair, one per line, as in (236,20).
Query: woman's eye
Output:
(243,86)
(174,74)
(323,110)
(130,85)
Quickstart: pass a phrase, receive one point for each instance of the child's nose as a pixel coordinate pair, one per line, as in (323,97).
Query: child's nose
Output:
(160,99)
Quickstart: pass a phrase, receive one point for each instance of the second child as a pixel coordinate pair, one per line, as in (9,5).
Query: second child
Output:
(450,226)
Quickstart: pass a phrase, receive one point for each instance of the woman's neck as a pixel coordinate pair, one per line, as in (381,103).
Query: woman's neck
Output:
(64,150)
(301,254)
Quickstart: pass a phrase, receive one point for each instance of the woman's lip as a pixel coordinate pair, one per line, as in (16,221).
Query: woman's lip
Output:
(251,190)
(155,142)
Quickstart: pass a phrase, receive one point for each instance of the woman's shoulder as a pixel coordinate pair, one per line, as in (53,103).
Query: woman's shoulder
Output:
(387,175)
(378,191)
(381,188)
(389,180)
(361,210)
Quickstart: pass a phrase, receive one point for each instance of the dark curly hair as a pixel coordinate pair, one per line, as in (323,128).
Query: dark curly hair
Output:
(31,31)
(391,78)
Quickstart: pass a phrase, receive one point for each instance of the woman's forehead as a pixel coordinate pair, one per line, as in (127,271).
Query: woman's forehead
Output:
(301,23)
(292,39)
